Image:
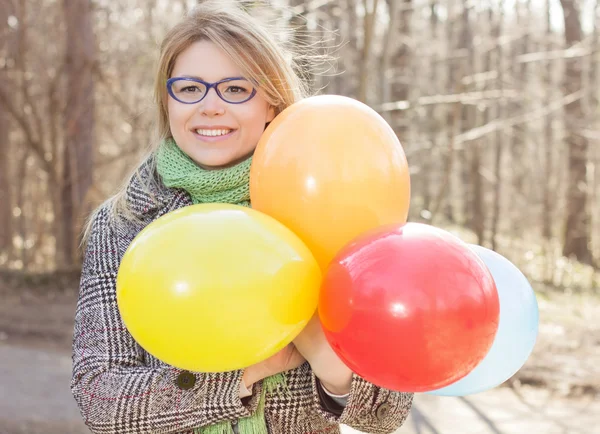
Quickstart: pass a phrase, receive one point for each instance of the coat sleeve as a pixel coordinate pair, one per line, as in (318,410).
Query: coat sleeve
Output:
(115,390)
(370,409)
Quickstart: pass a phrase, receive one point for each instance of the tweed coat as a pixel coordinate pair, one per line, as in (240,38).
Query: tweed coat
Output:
(121,389)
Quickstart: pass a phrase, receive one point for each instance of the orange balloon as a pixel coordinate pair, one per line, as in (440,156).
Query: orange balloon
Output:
(330,168)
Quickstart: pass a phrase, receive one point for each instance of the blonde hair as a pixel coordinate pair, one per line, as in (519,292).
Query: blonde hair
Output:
(273,65)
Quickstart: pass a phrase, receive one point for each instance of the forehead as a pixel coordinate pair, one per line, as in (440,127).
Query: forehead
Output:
(205,60)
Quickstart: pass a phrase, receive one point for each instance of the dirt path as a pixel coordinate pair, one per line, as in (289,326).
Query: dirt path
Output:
(36,400)
(501,411)
(35,368)
(35,392)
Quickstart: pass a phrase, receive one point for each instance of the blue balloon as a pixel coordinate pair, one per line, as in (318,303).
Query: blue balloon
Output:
(517,329)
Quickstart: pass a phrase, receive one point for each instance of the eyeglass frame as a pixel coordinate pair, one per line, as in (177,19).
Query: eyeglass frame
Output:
(209,86)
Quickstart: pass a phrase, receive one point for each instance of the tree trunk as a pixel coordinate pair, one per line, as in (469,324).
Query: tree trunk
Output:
(78,124)
(365,54)
(6,203)
(5,192)
(547,202)
(431,122)
(468,152)
(519,140)
(333,16)
(445,194)
(594,160)
(401,65)
(499,136)
(298,23)
(577,227)
(474,211)
(476,199)
(384,61)
(348,86)
(21,221)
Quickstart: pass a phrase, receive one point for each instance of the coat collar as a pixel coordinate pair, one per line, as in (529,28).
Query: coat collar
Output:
(148,197)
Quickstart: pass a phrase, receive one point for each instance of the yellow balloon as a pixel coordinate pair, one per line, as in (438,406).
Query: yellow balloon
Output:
(216,287)
(330,168)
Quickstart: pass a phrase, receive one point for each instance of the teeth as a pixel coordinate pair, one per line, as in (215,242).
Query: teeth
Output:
(212,133)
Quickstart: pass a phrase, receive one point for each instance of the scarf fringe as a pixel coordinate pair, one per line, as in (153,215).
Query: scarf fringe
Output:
(219,428)
(255,423)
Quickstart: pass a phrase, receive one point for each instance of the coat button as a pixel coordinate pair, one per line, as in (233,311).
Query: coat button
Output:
(382,411)
(186,380)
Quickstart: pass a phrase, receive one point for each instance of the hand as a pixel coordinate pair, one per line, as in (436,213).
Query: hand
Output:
(335,376)
(285,360)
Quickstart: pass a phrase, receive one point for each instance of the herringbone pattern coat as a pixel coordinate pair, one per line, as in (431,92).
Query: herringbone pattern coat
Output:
(121,389)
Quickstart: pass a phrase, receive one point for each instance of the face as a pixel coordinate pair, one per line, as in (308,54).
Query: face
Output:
(198,128)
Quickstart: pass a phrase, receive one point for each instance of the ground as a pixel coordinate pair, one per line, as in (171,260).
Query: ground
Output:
(557,391)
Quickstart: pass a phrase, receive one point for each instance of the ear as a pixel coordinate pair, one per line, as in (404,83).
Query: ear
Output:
(270,113)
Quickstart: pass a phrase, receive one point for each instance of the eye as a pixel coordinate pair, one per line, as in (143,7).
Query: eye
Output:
(236,89)
(190,89)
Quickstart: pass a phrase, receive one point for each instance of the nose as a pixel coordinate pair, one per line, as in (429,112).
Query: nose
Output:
(212,105)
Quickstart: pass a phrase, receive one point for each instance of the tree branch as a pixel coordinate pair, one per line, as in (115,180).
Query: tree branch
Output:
(499,124)
(569,53)
(34,144)
(464,98)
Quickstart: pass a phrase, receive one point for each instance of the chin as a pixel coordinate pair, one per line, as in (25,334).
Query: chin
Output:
(216,162)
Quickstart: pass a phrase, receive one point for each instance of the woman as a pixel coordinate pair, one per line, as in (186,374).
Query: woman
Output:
(221,79)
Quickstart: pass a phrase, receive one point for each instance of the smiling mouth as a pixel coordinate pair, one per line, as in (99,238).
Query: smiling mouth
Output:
(213,133)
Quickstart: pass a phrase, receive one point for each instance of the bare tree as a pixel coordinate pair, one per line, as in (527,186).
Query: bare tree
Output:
(499,135)
(432,126)
(474,96)
(7,54)
(547,208)
(594,107)
(385,74)
(367,43)
(78,122)
(467,118)
(298,22)
(453,115)
(519,139)
(472,157)
(401,62)
(577,227)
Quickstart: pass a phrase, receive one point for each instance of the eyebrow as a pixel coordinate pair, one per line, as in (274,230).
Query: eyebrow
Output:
(200,78)
(191,76)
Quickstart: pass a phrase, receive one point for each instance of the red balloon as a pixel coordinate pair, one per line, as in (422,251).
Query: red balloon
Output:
(409,307)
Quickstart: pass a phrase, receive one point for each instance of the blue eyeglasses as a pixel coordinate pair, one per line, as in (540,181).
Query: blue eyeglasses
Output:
(189,90)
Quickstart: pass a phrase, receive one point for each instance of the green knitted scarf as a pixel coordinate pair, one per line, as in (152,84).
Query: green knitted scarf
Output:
(229,185)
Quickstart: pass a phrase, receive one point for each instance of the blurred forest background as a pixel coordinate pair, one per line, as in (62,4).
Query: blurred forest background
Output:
(496,103)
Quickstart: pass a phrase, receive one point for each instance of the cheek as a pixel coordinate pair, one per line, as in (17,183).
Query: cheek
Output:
(257,117)
(177,115)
